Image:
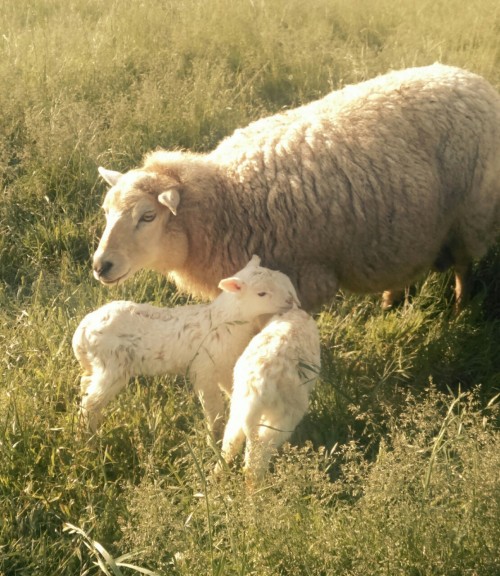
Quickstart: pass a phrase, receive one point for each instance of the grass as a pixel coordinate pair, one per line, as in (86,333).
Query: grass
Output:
(396,467)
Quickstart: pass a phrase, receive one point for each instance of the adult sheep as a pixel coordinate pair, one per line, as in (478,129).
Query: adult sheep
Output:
(365,189)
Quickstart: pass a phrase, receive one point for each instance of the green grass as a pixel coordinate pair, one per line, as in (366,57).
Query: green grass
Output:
(395,470)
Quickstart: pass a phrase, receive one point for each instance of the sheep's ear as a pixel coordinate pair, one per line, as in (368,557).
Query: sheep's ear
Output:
(232,284)
(170,198)
(111,176)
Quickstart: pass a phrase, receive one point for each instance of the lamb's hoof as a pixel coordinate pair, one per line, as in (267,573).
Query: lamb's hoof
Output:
(88,421)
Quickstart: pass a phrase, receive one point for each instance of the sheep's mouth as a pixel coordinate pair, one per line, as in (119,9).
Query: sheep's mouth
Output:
(114,281)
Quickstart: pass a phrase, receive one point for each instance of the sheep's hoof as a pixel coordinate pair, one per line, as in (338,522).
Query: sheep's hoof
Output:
(387,300)
(393,298)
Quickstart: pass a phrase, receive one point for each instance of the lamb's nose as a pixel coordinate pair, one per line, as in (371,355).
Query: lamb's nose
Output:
(101,270)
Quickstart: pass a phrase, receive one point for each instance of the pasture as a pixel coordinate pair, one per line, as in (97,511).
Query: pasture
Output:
(396,468)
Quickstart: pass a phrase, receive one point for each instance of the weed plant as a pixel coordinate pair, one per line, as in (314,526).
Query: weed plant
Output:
(395,470)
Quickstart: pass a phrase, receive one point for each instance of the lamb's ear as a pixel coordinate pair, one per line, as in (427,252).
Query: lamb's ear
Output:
(232,284)
(111,176)
(170,198)
(254,260)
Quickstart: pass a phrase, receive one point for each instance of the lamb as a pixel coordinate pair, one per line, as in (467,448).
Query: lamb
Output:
(124,339)
(273,379)
(365,189)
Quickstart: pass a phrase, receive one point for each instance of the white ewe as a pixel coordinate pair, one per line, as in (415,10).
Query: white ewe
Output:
(272,382)
(125,339)
(365,189)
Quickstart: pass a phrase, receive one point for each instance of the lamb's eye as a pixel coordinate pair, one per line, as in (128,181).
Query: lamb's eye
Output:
(147,217)
(261,294)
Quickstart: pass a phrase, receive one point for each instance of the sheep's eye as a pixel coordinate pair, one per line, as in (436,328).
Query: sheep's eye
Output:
(147,217)
(261,294)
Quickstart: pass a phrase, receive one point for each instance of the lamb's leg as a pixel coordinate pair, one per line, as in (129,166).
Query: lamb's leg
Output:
(97,392)
(234,434)
(262,442)
(233,437)
(213,406)
(263,437)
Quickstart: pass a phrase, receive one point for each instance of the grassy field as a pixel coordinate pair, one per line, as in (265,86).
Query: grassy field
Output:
(396,468)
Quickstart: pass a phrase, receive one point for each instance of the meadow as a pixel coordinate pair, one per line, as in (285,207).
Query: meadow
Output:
(394,471)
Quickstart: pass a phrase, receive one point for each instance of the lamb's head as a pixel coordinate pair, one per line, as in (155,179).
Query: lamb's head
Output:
(140,210)
(259,291)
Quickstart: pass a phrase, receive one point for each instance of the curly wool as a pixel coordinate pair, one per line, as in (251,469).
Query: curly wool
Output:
(365,189)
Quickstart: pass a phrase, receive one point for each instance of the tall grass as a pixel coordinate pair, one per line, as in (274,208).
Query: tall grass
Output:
(395,469)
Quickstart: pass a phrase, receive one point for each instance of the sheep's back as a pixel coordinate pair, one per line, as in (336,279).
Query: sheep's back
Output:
(372,179)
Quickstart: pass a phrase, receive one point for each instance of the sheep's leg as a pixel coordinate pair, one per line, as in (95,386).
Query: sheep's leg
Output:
(232,441)
(463,281)
(391,298)
(97,392)
(90,415)
(233,433)
(315,284)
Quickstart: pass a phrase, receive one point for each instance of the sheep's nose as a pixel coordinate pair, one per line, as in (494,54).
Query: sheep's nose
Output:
(103,269)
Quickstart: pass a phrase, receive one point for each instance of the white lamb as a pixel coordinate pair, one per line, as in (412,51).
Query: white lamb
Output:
(273,379)
(124,339)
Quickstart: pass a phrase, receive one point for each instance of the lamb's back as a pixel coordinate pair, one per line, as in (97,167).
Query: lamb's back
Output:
(281,358)
(150,339)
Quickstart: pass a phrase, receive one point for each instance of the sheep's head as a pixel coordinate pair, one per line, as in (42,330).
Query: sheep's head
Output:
(138,207)
(261,291)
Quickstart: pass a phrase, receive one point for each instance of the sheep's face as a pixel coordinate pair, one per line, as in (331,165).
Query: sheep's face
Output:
(139,208)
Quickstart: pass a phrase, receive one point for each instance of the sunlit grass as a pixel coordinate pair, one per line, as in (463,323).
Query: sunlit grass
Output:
(395,468)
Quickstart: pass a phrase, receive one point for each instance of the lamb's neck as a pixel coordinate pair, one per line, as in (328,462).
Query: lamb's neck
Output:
(225,310)
(168,337)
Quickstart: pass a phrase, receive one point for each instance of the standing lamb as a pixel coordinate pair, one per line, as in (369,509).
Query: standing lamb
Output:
(272,382)
(365,189)
(124,339)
